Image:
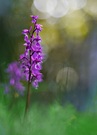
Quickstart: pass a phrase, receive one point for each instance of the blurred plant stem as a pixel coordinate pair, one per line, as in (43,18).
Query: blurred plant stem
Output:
(27,98)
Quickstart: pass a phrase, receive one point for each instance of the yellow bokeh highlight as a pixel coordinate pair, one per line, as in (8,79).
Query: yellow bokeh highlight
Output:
(50,36)
(75,25)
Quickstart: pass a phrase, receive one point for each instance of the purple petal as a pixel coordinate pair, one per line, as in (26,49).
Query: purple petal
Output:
(34,56)
(21,56)
(35,84)
(26,38)
(25,31)
(38,66)
(25,44)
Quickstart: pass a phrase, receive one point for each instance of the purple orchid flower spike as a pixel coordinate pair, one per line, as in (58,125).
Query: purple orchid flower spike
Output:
(32,59)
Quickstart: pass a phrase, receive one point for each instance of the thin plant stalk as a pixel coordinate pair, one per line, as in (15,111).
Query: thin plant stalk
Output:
(27,98)
(28,89)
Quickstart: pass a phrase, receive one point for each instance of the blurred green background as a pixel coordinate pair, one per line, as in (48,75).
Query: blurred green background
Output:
(66,101)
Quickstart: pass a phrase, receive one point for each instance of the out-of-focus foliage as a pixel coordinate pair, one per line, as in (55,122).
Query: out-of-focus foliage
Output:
(46,120)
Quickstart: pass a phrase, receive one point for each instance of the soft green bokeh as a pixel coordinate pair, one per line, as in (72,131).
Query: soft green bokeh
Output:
(53,119)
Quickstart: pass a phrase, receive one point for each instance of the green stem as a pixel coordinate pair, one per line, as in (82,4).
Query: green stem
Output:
(28,98)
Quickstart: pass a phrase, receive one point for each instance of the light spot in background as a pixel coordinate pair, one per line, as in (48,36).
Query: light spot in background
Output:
(61,9)
(50,36)
(56,8)
(40,5)
(65,15)
(45,6)
(51,5)
(67,78)
(75,20)
(91,7)
(77,4)
(42,15)
(75,24)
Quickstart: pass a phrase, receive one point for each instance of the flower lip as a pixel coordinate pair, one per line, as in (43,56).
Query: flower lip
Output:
(25,31)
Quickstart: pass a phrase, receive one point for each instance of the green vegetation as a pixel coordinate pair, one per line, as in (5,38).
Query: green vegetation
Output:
(52,119)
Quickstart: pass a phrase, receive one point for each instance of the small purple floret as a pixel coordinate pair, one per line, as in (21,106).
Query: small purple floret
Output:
(34,18)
